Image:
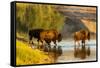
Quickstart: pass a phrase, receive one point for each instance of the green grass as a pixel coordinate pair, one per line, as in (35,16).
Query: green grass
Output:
(25,55)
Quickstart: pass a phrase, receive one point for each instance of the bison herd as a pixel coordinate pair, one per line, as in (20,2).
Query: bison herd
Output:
(46,36)
(54,36)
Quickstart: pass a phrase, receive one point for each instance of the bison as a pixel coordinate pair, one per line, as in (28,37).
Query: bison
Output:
(45,35)
(50,35)
(35,33)
(81,35)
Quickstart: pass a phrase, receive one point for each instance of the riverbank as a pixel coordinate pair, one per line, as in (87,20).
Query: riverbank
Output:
(26,55)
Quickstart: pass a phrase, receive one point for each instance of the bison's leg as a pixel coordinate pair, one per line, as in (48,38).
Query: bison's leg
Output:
(48,42)
(83,42)
(78,44)
(49,48)
(42,42)
(30,39)
(38,43)
(55,42)
(75,45)
(41,46)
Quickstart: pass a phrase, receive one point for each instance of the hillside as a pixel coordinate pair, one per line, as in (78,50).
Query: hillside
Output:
(90,25)
(77,18)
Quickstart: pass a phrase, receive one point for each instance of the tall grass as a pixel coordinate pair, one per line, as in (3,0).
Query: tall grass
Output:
(25,55)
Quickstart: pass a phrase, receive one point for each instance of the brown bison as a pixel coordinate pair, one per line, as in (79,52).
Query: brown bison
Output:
(45,35)
(50,35)
(81,35)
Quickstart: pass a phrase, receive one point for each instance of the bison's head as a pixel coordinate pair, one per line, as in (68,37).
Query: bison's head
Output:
(59,37)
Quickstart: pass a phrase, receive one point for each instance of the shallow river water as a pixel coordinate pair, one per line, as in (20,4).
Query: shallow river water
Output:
(68,51)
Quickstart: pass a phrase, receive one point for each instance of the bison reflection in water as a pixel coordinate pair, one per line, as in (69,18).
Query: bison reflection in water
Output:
(56,52)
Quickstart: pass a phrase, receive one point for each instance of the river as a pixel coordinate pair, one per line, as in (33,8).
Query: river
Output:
(68,51)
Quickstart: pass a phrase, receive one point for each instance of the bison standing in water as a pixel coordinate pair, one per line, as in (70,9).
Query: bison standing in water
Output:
(35,33)
(50,35)
(45,35)
(81,35)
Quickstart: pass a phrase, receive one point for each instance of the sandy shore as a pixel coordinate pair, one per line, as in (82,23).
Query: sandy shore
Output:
(68,56)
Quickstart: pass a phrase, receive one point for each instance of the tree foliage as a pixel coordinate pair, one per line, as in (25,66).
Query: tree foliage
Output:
(32,16)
